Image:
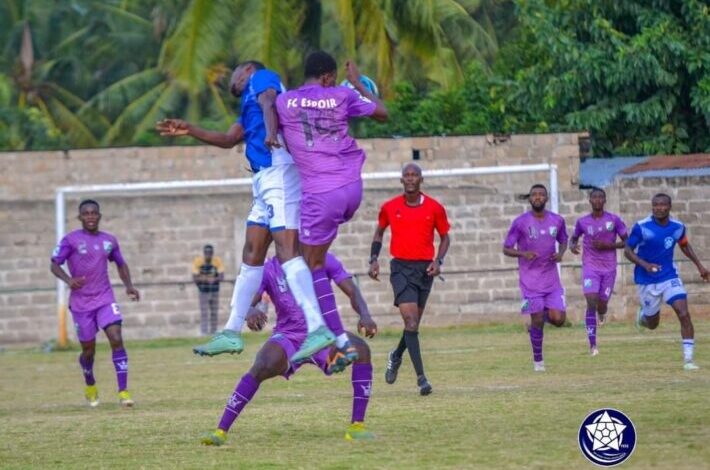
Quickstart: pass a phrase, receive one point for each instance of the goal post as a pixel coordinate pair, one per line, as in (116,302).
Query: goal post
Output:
(161,186)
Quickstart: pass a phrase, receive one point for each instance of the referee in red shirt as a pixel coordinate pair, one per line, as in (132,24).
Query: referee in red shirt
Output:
(413,217)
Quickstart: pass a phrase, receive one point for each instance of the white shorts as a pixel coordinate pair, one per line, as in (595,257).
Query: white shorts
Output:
(651,295)
(277,198)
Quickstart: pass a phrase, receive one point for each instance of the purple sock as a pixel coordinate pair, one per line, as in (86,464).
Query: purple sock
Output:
(87,367)
(591,321)
(536,342)
(243,393)
(326,301)
(362,386)
(120,363)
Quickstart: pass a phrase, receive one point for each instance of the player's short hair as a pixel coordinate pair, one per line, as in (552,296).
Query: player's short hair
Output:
(670,201)
(319,63)
(525,197)
(208,248)
(255,63)
(407,165)
(597,190)
(87,202)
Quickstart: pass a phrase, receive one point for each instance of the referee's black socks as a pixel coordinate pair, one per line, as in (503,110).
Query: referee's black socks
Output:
(399,350)
(411,338)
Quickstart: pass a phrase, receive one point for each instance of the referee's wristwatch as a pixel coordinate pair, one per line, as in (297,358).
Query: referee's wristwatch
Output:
(373,258)
(440,261)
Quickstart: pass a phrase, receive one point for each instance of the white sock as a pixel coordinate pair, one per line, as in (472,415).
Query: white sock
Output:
(341,340)
(300,281)
(688,345)
(245,288)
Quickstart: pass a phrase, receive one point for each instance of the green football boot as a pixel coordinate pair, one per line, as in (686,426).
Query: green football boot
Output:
(314,342)
(357,432)
(226,341)
(216,438)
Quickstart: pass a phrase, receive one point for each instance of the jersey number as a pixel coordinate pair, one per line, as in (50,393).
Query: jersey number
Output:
(322,124)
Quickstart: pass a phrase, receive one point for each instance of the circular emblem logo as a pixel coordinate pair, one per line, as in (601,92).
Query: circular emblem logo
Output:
(607,437)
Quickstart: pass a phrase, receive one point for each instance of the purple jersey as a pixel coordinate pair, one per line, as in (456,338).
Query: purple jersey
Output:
(529,233)
(314,122)
(87,255)
(290,320)
(605,229)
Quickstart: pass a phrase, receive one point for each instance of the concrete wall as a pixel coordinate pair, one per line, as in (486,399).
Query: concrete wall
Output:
(160,234)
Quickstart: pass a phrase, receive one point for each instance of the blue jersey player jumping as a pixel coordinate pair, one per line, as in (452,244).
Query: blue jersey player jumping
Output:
(275,213)
(650,247)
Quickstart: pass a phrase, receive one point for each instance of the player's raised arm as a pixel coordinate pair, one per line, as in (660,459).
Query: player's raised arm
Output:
(178,127)
(267,101)
(353,75)
(375,248)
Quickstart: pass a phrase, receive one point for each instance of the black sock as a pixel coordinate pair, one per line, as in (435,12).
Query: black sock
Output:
(412,340)
(400,347)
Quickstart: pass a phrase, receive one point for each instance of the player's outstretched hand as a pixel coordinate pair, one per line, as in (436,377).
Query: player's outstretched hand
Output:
(76,282)
(172,127)
(256,319)
(133,293)
(705,274)
(374,270)
(367,327)
(352,73)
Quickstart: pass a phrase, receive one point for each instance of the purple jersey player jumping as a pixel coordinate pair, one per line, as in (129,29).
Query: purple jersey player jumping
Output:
(92,303)
(289,333)
(314,121)
(535,234)
(600,229)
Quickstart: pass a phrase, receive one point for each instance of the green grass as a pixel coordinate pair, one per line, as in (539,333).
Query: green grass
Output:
(488,409)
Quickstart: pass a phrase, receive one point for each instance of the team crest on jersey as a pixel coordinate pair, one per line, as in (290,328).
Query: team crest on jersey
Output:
(282,284)
(81,247)
(609,226)
(108,246)
(668,242)
(553,231)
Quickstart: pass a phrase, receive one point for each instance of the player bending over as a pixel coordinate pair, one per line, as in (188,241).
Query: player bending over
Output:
(289,333)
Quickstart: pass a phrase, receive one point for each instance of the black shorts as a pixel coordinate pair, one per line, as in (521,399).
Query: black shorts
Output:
(410,282)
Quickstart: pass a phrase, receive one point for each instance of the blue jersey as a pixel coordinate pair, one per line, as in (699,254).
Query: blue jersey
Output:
(251,117)
(654,243)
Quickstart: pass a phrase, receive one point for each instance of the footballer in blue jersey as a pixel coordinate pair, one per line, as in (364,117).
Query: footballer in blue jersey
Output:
(275,212)
(650,247)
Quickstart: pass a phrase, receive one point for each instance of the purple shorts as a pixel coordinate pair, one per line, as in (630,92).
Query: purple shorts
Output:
(319,359)
(598,282)
(536,303)
(322,213)
(88,323)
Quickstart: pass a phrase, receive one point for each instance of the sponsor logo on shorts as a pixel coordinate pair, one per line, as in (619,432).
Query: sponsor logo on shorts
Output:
(587,282)
(607,291)
(525,305)
(676,283)
(668,242)
(282,284)
(607,437)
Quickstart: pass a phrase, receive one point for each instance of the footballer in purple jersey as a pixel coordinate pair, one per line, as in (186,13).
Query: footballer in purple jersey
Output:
(600,230)
(87,253)
(289,333)
(314,121)
(533,239)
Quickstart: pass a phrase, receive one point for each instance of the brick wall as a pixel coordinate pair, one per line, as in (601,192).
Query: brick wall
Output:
(160,234)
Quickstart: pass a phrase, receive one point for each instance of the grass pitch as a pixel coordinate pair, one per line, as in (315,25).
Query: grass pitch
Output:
(488,409)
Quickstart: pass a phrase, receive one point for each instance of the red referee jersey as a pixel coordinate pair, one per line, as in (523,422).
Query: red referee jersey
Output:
(413,227)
